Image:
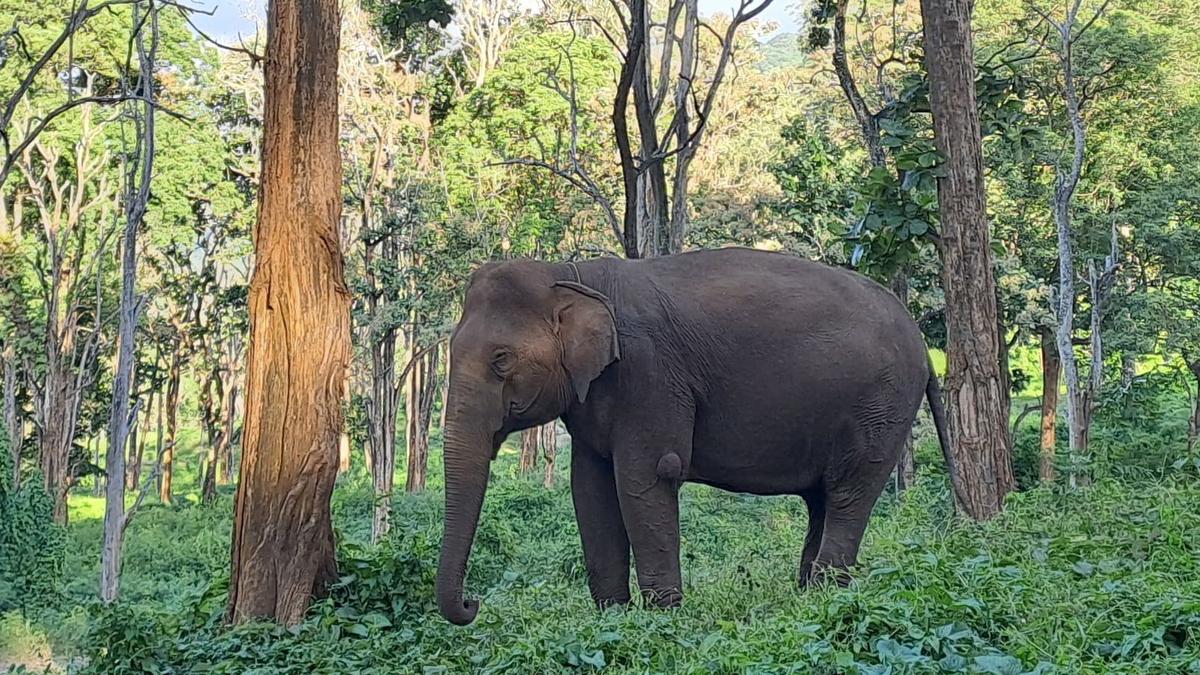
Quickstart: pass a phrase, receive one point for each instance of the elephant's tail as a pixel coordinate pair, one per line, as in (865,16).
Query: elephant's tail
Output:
(933,391)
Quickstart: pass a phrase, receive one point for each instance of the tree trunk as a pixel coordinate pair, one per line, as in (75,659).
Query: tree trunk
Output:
(283,548)
(224,444)
(137,195)
(1194,423)
(137,450)
(57,433)
(530,441)
(1050,377)
(977,419)
(549,450)
(97,484)
(906,467)
(424,390)
(233,415)
(167,453)
(381,430)
(12,416)
(134,434)
(217,436)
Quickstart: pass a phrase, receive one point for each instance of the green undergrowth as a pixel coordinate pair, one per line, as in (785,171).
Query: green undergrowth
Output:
(1102,580)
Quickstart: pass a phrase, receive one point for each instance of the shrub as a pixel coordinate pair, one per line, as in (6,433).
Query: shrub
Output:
(32,546)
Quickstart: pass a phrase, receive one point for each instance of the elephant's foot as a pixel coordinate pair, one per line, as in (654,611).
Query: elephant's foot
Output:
(668,598)
(613,600)
(815,574)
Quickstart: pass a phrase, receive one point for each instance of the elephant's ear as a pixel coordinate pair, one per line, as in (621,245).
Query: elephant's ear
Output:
(588,330)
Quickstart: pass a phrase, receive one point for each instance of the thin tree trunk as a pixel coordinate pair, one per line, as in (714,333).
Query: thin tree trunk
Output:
(93,445)
(530,441)
(977,419)
(1193,436)
(158,432)
(283,546)
(1050,383)
(137,195)
(217,436)
(381,431)
(134,433)
(167,452)
(427,388)
(12,416)
(549,451)
(906,467)
(424,389)
(234,414)
(137,449)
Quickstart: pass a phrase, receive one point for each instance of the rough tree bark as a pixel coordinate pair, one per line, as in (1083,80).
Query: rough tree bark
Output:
(121,420)
(137,447)
(422,390)
(977,420)
(1079,394)
(283,548)
(166,458)
(1050,382)
(1194,422)
(549,451)
(221,443)
(12,416)
(530,443)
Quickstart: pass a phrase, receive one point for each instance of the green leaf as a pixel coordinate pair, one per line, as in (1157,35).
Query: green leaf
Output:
(999,664)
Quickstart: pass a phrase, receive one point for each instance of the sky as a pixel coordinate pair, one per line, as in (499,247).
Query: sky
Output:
(230,17)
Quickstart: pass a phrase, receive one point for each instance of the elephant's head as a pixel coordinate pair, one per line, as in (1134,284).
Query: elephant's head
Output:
(528,344)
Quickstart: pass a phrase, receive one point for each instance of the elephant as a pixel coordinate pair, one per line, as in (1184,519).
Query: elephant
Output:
(746,370)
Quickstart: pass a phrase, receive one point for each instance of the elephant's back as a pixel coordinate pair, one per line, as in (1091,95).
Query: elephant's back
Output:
(755,297)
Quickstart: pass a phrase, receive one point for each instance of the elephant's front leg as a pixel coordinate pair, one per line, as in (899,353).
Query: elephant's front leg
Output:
(605,544)
(650,507)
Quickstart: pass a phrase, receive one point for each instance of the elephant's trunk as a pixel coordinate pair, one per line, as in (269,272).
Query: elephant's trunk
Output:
(467,461)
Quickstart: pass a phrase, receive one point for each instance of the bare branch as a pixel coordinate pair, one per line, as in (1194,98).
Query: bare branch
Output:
(186,12)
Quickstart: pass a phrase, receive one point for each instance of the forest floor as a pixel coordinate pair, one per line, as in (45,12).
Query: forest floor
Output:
(1099,580)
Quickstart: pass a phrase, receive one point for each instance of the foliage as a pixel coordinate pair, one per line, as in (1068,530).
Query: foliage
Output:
(1100,581)
(32,546)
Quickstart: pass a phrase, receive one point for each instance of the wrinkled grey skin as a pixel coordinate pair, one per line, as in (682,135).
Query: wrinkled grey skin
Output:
(749,371)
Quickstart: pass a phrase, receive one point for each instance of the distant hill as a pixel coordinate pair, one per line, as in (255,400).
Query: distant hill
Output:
(782,50)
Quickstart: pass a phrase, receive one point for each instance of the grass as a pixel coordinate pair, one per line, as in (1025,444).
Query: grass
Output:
(1099,580)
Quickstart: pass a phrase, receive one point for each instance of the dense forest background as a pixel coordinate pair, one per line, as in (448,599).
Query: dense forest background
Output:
(484,129)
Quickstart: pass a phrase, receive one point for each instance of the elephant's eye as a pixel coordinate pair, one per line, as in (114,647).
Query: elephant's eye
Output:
(503,362)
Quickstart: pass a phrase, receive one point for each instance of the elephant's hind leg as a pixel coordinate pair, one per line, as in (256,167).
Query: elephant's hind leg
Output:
(598,512)
(849,499)
(812,540)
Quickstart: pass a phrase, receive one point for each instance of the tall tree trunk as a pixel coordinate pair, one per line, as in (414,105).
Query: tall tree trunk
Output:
(549,450)
(137,449)
(12,416)
(137,195)
(1050,377)
(906,467)
(381,430)
(57,434)
(530,441)
(977,419)
(167,452)
(134,434)
(1194,423)
(232,416)
(424,390)
(283,549)
(93,445)
(217,405)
